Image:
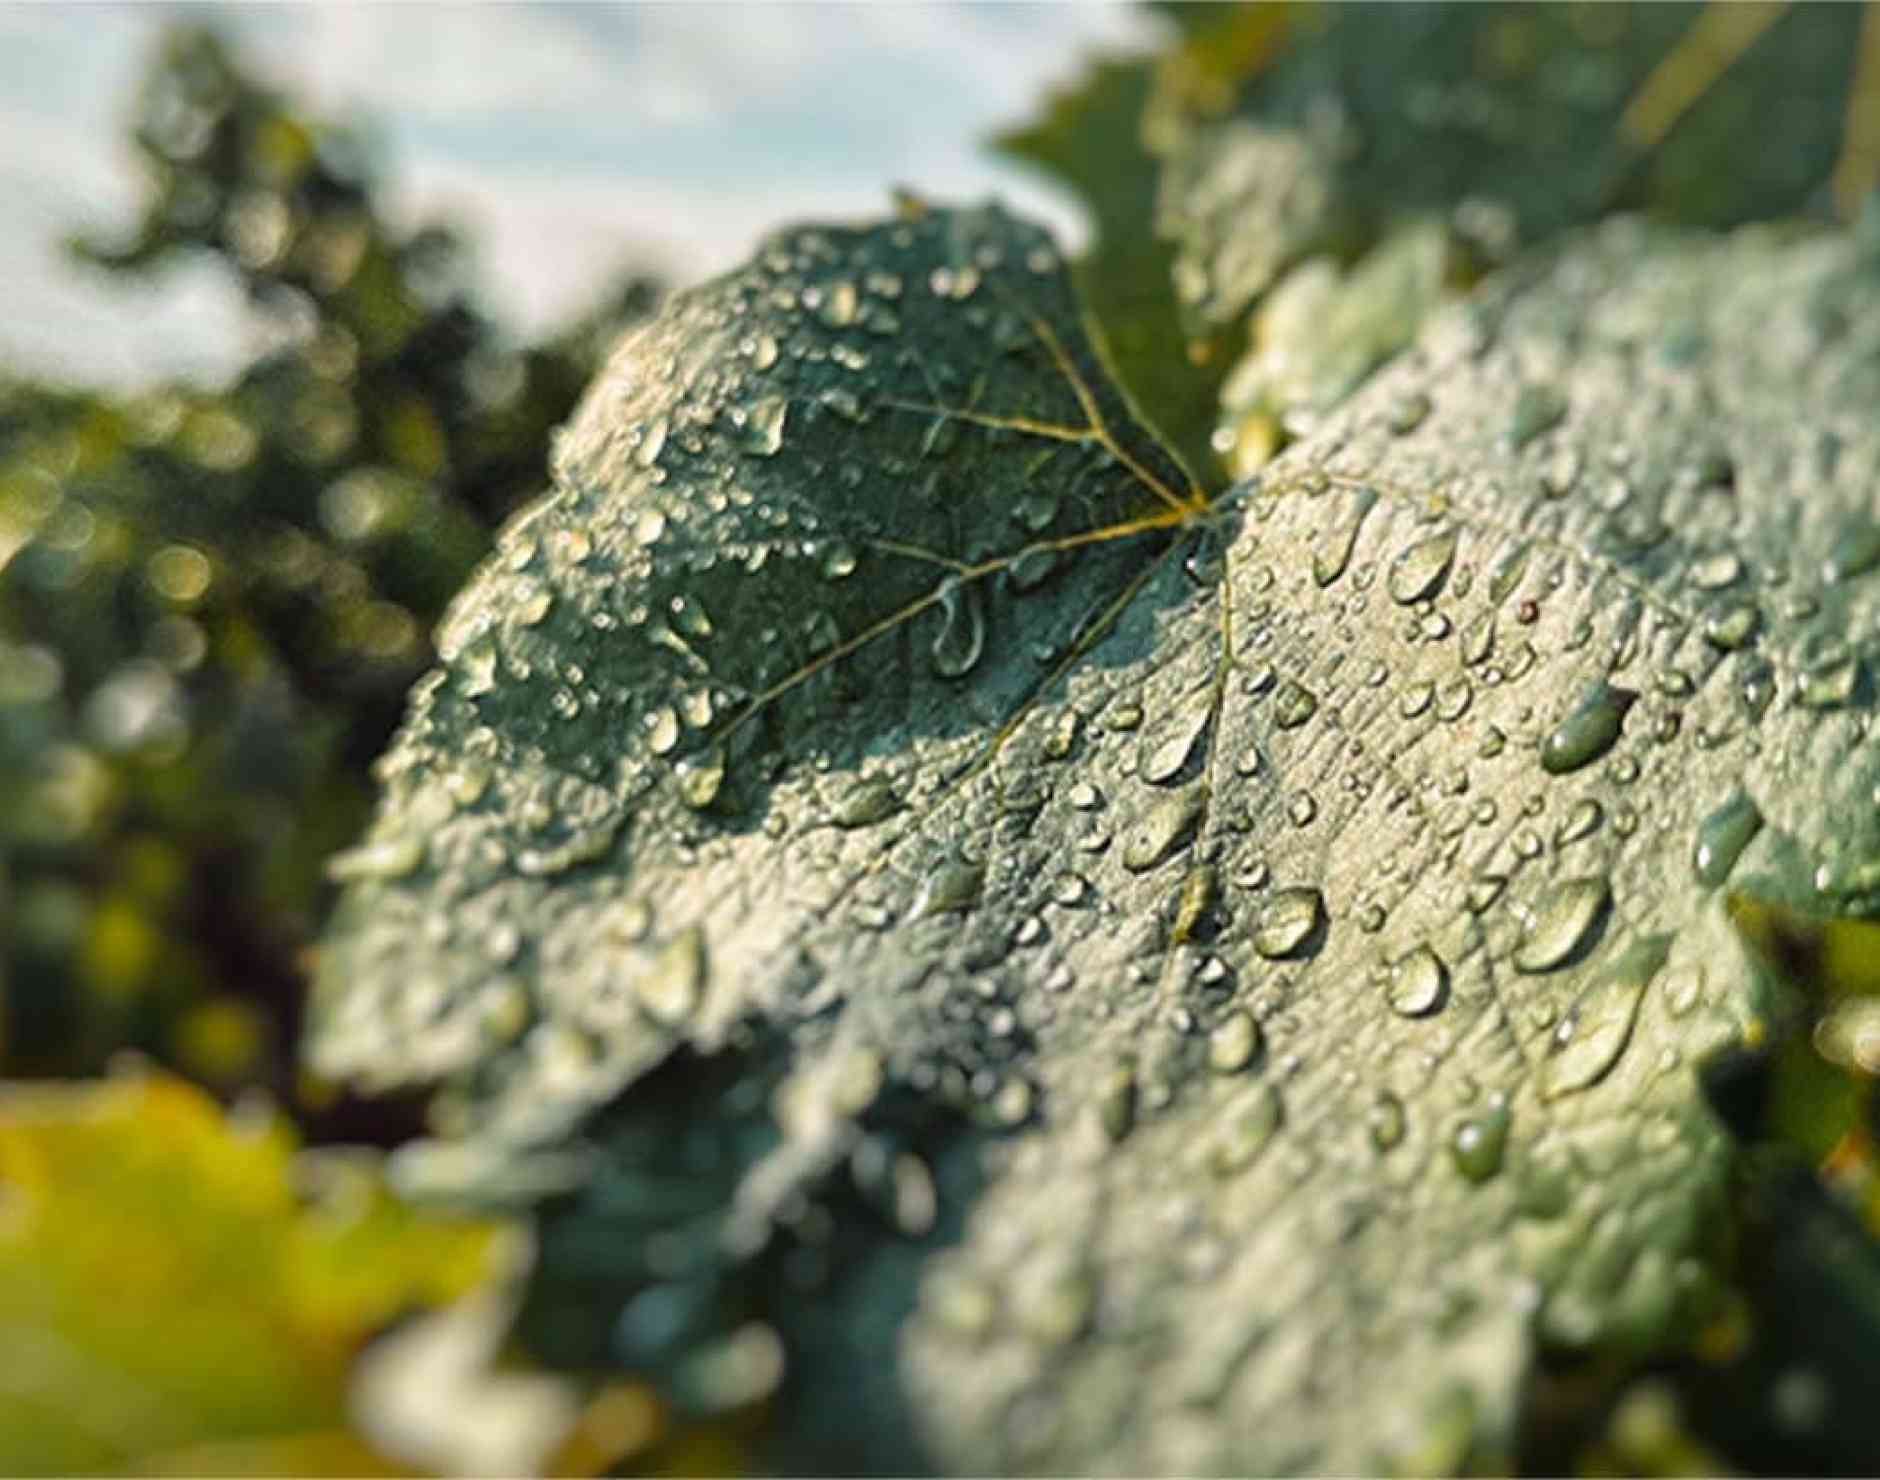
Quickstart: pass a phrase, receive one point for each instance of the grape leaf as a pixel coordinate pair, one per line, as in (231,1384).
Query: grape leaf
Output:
(1029,969)
(1512,121)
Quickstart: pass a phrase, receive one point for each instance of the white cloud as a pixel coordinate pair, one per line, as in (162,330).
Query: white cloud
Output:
(571,139)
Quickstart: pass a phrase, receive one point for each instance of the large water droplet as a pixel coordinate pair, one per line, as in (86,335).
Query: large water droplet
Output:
(1831,686)
(701,777)
(952,889)
(1334,551)
(1594,1034)
(1419,982)
(1234,1043)
(1588,732)
(839,561)
(1165,753)
(763,426)
(662,730)
(1293,705)
(865,803)
(1565,920)
(962,632)
(1418,573)
(1582,819)
(1116,1101)
(1386,1122)
(1732,627)
(1246,1129)
(1722,837)
(1287,922)
(669,989)
(1480,1141)
(1193,902)
(1163,828)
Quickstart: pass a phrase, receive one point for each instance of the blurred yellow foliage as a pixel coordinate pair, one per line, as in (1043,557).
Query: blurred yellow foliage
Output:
(180,1290)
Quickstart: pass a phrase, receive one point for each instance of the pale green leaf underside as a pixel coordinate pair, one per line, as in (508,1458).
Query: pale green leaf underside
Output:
(1242,874)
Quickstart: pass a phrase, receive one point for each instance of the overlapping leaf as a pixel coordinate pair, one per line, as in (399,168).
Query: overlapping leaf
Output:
(873,832)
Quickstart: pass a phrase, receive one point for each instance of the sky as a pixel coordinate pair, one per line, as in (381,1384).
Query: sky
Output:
(570,140)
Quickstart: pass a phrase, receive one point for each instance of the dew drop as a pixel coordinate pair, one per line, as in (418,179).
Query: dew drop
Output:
(1407,412)
(952,889)
(652,441)
(839,561)
(1507,573)
(1721,838)
(1246,1130)
(962,635)
(1386,1122)
(1193,901)
(1287,922)
(1163,828)
(1419,983)
(1582,820)
(1012,1104)
(866,803)
(1334,552)
(669,989)
(1830,687)
(1565,920)
(763,428)
(1070,889)
(701,777)
(1714,572)
(1163,755)
(1234,1043)
(1732,628)
(662,730)
(1418,573)
(1589,730)
(1116,1101)
(1480,1141)
(1293,705)
(1593,1035)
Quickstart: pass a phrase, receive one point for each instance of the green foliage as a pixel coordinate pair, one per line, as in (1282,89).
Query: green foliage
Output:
(213,600)
(178,1294)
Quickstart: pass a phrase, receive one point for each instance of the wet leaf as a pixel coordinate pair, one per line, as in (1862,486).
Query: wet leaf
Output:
(1509,121)
(170,1302)
(905,1039)
(1331,187)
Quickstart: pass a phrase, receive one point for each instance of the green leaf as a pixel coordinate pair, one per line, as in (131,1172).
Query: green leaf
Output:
(1207,989)
(171,1301)
(1509,121)
(1090,138)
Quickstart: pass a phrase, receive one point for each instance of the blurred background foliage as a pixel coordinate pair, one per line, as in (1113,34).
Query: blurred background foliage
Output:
(212,601)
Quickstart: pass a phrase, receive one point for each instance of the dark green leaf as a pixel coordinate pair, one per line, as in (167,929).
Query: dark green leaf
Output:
(1245,967)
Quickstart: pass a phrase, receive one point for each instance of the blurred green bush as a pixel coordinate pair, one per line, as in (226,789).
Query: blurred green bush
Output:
(212,601)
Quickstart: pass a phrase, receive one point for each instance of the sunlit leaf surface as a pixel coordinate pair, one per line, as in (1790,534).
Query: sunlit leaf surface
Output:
(1023,970)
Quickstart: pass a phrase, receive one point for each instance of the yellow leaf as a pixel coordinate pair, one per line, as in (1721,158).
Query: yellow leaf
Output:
(178,1285)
